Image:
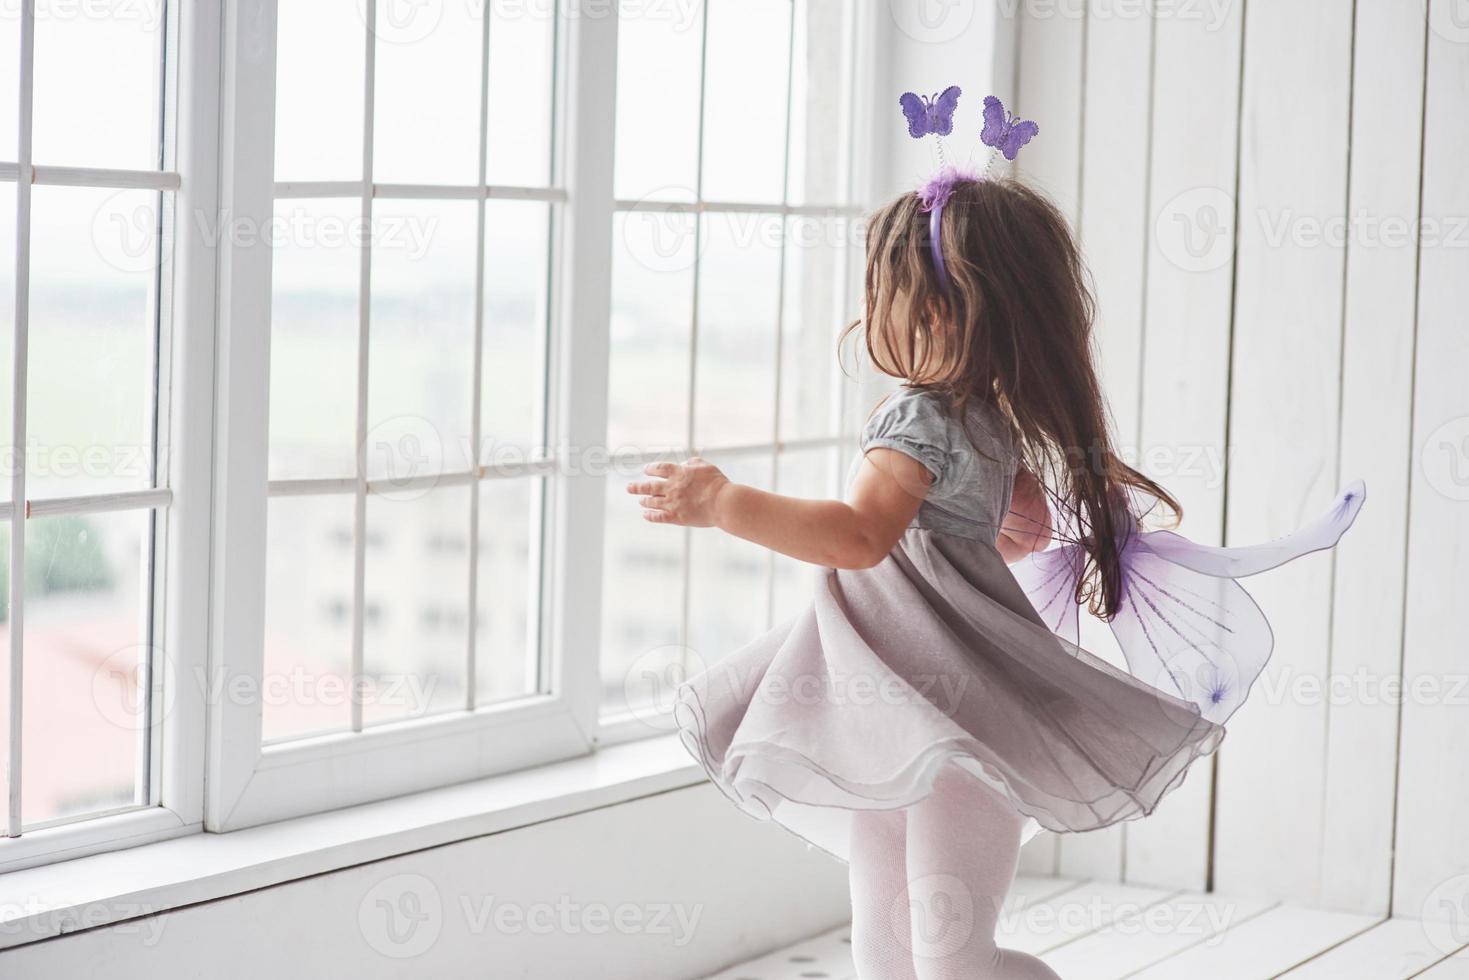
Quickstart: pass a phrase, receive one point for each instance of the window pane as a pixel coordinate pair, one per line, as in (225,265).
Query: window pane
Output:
(319,78)
(821,102)
(422,338)
(9,79)
(416,616)
(642,598)
(739,296)
(84,722)
(308,616)
(818,306)
(652,309)
(516,294)
(97,85)
(729,579)
(92,338)
(812,474)
(744,109)
(313,338)
(522,60)
(7,333)
(657,154)
(507,594)
(427,127)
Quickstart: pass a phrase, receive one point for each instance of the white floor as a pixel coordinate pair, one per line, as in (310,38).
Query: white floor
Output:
(1101,931)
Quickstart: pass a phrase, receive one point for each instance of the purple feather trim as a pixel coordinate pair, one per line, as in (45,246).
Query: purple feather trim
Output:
(935,193)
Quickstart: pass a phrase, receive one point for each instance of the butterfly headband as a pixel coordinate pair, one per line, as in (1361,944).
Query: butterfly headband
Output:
(934,115)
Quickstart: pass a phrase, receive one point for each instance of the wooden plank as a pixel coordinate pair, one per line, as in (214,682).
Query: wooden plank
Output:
(1376,421)
(1392,950)
(1052,50)
(1136,942)
(1114,199)
(1052,55)
(1076,912)
(1263,947)
(1113,231)
(1284,410)
(826,955)
(1433,796)
(1185,373)
(1029,890)
(1454,967)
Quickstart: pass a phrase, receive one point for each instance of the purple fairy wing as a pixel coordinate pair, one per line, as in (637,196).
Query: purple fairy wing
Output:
(916,113)
(1322,533)
(1017,134)
(1194,635)
(1049,580)
(994,121)
(941,113)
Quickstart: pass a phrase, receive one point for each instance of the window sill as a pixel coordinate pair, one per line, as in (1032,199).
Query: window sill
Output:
(102,889)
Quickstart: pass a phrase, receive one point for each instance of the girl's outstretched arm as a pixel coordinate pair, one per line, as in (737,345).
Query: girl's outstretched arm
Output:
(855,533)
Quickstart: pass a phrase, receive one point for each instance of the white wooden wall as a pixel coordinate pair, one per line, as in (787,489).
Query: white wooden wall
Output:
(1245,177)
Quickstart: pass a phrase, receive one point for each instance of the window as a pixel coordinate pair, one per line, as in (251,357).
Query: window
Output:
(732,277)
(86,313)
(331,330)
(408,361)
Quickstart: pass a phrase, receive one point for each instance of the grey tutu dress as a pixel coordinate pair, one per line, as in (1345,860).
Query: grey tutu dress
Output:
(943,655)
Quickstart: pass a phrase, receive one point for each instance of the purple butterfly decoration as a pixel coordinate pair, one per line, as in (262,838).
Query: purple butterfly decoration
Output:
(1002,130)
(930,114)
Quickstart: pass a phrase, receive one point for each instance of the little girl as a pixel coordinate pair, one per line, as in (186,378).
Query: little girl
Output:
(921,717)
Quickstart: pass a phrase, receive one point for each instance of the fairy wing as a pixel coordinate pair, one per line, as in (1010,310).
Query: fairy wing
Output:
(994,121)
(941,113)
(1196,636)
(1184,624)
(1049,579)
(1322,533)
(916,113)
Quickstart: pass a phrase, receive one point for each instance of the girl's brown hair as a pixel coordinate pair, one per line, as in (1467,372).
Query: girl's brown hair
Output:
(1014,329)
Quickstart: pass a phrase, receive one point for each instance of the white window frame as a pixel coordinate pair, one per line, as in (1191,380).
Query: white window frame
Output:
(211,768)
(177,763)
(251,783)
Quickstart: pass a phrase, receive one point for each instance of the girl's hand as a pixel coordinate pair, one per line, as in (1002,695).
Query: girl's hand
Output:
(686,493)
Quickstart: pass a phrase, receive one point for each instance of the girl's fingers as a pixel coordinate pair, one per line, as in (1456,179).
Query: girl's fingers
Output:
(654,487)
(661,469)
(652,503)
(655,517)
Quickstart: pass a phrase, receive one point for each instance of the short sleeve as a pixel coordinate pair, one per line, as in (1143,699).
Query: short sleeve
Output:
(915,424)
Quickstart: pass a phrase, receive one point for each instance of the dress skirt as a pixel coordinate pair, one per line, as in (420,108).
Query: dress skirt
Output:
(933,656)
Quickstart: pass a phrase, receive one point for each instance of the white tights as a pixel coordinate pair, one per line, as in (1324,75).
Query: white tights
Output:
(928,883)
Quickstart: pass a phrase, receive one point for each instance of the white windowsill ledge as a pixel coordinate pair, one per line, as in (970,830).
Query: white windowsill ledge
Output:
(101,889)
